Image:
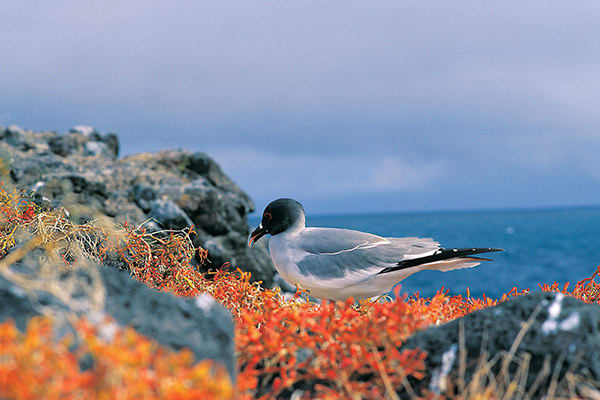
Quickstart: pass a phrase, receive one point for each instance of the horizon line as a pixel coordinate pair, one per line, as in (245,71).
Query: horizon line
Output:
(450,211)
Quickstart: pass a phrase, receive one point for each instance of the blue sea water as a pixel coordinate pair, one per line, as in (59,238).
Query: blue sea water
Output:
(541,246)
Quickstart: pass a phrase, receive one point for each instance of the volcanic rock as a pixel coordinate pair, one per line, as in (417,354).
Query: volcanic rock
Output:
(200,324)
(173,189)
(556,333)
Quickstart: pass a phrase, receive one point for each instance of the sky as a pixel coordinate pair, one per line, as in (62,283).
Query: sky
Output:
(346,106)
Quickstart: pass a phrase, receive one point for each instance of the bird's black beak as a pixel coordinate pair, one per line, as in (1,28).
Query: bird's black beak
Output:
(257,234)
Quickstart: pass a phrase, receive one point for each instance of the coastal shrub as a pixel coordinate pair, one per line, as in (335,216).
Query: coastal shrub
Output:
(34,365)
(285,346)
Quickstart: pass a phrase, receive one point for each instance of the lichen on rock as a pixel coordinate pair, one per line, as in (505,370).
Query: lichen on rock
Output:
(173,188)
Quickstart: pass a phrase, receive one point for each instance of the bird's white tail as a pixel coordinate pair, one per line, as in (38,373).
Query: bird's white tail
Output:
(452,264)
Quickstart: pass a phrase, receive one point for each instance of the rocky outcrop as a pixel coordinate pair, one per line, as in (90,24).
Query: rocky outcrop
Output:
(200,324)
(552,333)
(174,188)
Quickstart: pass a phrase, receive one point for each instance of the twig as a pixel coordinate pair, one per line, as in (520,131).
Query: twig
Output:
(389,389)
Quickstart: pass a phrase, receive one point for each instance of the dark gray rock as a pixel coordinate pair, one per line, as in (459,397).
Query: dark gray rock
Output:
(220,249)
(15,304)
(112,143)
(16,137)
(176,188)
(207,205)
(203,165)
(169,215)
(85,141)
(122,210)
(27,171)
(74,187)
(564,334)
(95,148)
(143,196)
(65,145)
(200,324)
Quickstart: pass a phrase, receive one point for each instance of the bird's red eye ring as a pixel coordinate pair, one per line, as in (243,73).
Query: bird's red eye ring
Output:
(267,216)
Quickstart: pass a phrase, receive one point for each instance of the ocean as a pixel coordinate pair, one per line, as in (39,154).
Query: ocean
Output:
(541,246)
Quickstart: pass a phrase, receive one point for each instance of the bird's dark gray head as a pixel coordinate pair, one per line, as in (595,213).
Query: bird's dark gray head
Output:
(282,214)
(279,216)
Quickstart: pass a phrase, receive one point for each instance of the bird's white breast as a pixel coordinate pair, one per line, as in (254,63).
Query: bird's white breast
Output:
(285,256)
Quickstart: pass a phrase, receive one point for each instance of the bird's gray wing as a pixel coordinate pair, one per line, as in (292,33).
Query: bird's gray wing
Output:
(335,253)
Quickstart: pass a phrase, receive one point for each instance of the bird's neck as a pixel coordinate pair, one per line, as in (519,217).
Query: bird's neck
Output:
(295,229)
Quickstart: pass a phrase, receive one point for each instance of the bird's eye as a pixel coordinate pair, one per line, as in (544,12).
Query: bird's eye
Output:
(267,216)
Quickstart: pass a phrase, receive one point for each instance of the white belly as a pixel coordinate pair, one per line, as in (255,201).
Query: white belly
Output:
(285,257)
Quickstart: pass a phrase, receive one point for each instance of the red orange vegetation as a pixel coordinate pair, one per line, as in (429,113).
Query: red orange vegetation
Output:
(33,365)
(331,351)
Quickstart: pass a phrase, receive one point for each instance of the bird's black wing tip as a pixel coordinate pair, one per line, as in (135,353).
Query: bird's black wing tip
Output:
(443,254)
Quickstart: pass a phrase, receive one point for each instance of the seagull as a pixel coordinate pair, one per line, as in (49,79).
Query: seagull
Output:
(336,264)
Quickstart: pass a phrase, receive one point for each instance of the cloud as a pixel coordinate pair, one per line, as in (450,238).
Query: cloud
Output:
(309,176)
(331,98)
(567,154)
(5,117)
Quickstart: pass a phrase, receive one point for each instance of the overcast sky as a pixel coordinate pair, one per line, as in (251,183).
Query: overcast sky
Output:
(351,106)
